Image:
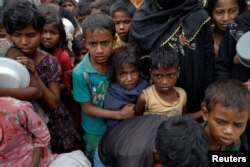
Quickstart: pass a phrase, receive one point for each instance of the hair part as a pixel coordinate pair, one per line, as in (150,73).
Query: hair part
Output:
(123,6)
(120,57)
(227,93)
(164,57)
(181,141)
(98,21)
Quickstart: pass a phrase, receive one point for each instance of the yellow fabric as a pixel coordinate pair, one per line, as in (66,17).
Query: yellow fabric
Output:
(119,42)
(137,3)
(156,105)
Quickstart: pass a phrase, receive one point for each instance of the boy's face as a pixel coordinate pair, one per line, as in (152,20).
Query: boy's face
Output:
(225,124)
(164,78)
(26,40)
(100,45)
(122,24)
(69,6)
(128,76)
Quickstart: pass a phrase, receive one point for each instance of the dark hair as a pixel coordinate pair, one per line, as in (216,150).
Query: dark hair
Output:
(164,57)
(18,15)
(64,1)
(83,8)
(121,56)
(103,5)
(228,93)
(55,20)
(124,6)
(181,142)
(98,21)
(211,3)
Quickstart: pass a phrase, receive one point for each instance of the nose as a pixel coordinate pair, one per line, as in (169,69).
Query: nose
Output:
(129,77)
(121,26)
(228,130)
(46,35)
(99,49)
(226,16)
(165,80)
(24,41)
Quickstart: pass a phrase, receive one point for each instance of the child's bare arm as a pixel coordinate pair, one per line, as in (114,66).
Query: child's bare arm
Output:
(29,93)
(50,92)
(126,112)
(140,104)
(37,153)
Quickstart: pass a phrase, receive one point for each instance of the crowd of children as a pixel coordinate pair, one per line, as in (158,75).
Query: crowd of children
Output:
(117,82)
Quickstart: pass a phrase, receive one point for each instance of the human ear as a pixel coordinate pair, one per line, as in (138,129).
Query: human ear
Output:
(205,113)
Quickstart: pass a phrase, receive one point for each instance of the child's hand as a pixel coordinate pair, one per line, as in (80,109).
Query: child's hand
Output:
(28,63)
(127,111)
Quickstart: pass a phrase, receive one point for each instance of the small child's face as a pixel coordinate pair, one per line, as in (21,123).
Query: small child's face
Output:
(122,24)
(80,18)
(26,40)
(164,78)
(128,76)
(50,36)
(225,124)
(100,45)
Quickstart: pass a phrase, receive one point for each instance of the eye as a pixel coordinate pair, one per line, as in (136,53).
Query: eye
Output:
(220,122)
(134,72)
(122,74)
(233,10)
(31,35)
(219,12)
(127,21)
(158,76)
(92,44)
(15,34)
(238,125)
(105,43)
(171,75)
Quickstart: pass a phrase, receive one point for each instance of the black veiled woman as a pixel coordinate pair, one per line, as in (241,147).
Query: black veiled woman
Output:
(185,26)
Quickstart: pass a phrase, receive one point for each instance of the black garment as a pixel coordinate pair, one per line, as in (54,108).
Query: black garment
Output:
(224,65)
(130,143)
(153,27)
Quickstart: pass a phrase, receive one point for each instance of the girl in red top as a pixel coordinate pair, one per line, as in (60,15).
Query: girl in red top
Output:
(54,42)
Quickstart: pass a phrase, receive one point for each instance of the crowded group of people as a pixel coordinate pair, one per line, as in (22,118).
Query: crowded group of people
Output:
(124,83)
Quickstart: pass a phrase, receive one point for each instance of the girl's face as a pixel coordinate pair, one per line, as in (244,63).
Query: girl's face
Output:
(128,76)
(50,36)
(164,78)
(26,40)
(224,13)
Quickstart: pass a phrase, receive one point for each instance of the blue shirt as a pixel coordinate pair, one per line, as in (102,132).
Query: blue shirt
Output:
(90,89)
